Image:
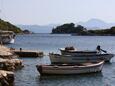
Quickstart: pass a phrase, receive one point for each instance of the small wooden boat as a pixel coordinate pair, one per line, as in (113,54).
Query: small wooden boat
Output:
(70,69)
(67,59)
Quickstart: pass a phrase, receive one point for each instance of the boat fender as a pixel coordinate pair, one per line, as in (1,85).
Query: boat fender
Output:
(55,66)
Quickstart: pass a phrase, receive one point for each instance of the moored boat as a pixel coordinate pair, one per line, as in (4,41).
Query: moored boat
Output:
(57,58)
(70,69)
(7,37)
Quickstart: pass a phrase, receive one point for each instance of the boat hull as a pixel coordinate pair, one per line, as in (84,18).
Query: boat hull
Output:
(7,41)
(56,58)
(7,37)
(75,69)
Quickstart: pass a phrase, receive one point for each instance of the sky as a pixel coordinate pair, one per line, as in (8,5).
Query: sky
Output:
(43,12)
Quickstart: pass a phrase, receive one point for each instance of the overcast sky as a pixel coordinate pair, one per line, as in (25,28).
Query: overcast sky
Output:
(42,12)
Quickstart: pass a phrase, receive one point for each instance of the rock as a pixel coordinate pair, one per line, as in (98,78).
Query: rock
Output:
(6,53)
(6,78)
(10,64)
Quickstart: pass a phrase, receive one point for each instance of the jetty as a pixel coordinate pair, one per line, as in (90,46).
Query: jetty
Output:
(28,53)
(6,78)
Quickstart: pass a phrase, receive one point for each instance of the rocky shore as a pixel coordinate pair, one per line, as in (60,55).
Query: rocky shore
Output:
(6,78)
(6,53)
(8,63)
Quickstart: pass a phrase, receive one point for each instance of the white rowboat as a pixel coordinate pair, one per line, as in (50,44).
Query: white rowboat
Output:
(70,69)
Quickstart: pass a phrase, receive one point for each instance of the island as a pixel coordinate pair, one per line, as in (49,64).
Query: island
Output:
(70,28)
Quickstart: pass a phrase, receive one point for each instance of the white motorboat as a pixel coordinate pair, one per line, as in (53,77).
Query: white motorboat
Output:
(7,37)
(70,69)
(57,58)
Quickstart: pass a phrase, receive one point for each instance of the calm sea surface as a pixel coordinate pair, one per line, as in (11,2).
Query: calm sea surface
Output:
(28,76)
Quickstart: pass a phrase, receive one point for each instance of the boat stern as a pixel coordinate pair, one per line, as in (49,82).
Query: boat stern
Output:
(109,57)
(39,68)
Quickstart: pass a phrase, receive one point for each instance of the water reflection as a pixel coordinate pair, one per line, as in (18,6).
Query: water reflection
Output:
(28,76)
(71,80)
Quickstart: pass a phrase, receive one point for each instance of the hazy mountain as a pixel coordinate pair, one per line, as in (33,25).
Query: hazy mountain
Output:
(90,24)
(96,24)
(37,28)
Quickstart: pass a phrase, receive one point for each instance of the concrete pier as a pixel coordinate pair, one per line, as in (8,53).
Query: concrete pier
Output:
(28,53)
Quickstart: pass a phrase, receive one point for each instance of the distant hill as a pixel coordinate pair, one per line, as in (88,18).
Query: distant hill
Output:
(37,28)
(91,24)
(96,24)
(70,28)
(7,26)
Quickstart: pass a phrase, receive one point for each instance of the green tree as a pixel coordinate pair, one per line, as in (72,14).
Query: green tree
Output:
(9,27)
(69,28)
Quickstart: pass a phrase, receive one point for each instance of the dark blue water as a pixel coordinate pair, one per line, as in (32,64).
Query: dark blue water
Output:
(29,76)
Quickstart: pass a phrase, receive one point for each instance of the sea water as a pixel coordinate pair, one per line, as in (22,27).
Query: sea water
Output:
(29,76)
